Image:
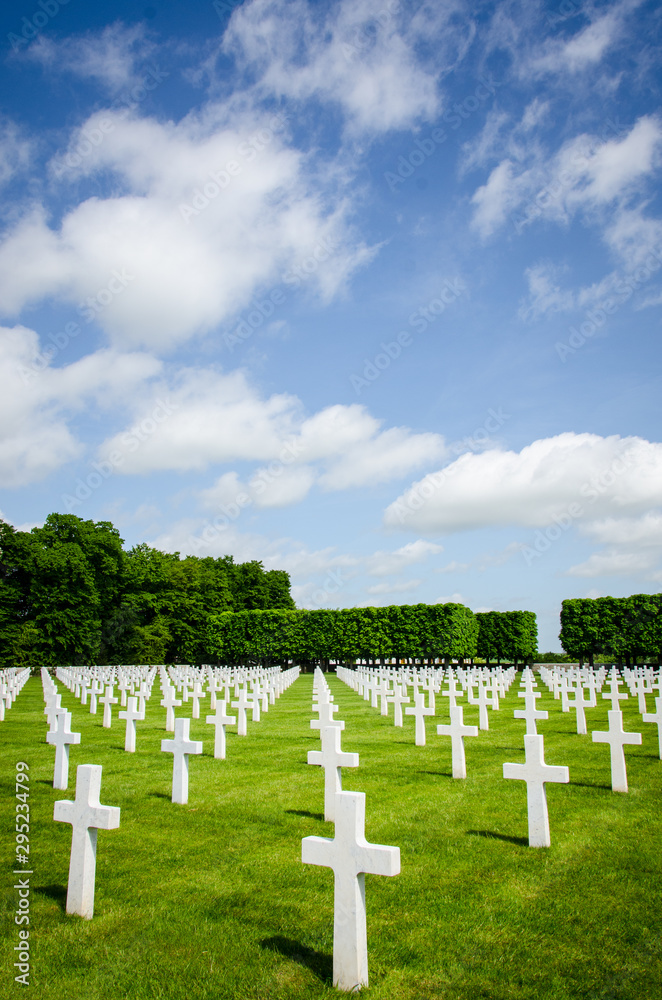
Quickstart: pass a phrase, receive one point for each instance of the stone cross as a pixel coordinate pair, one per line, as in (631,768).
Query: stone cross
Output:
(384,696)
(254,702)
(398,699)
(94,691)
(132,715)
(350,856)
(62,738)
(108,701)
(481,701)
(86,815)
(181,747)
(196,695)
(614,697)
(214,687)
(241,705)
(220,720)
(326,710)
(170,702)
(331,758)
(452,694)
(656,716)
(617,738)
(536,773)
(53,706)
(579,703)
(419,711)
(529,713)
(457,731)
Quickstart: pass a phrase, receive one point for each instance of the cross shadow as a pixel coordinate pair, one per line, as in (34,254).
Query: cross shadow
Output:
(45,781)
(160,795)
(304,812)
(491,835)
(58,893)
(586,784)
(439,774)
(318,963)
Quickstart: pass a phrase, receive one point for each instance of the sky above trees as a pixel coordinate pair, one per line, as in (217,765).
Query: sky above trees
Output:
(369,291)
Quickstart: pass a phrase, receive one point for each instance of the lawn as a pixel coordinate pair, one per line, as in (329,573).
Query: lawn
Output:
(211,900)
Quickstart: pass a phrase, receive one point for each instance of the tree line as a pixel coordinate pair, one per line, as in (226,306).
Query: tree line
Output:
(626,628)
(421,632)
(70,594)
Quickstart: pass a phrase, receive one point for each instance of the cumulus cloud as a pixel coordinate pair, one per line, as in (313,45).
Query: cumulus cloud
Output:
(364,56)
(386,563)
(599,476)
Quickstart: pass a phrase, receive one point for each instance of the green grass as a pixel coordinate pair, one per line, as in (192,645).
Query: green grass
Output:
(211,900)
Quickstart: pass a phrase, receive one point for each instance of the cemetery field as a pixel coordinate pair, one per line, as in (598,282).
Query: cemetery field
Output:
(210,900)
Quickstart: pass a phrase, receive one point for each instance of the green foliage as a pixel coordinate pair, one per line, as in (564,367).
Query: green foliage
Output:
(69,593)
(507,635)
(625,628)
(419,631)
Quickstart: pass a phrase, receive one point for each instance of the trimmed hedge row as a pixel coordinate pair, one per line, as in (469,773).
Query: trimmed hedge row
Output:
(626,628)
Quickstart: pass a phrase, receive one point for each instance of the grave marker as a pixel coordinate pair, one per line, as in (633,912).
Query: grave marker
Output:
(331,758)
(617,738)
(536,773)
(181,747)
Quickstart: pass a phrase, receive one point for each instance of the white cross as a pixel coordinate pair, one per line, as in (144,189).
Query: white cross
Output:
(579,703)
(96,689)
(331,758)
(457,731)
(529,713)
(326,710)
(419,711)
(53,706)
(452,694)
(181,747)
(241,707)
(617,738)
(350,856)
(170,702)
(132,715)
(220,720)
(613,695)
(481,701)
(61,736)
(254,702)
(86,815)
(215,686)
(535,772)
(196,695)
(108,701)
(656,716)
(398,699)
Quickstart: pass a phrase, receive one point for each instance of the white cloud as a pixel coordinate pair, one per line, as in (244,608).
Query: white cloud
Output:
(15,150)
(453,567)
(613,564)
(364,56)
(155,269)
(109,56)
(599,476)
(386,563)
(640,532)
(580,52)
(38,399)
(545,295)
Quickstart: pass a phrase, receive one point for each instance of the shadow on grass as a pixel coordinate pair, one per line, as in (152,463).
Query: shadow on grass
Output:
(58,893)
(304,812)
(588,784)
(492,835)
(160,795)
(439,774)
(318,963)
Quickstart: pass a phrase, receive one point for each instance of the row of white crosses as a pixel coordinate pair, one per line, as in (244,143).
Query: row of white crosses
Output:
(11,682)
(347,853)
(86,814)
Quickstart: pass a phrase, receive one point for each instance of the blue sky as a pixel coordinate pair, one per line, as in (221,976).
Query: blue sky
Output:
(370,291)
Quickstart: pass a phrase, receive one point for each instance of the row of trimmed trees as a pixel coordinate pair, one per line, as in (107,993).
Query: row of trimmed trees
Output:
(69,593)
(422,632)
(625,628)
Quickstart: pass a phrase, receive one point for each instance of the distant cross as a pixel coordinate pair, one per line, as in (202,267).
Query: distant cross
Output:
(85,685)
(196,695)
(350,856)
(123,685)
(170,702)
(398,699)
(331,758)
(384,693)
(143,693)
(457,731)
(326,710)
(86,815)
(220,720)
(132,715)
(181,746)
(536,773)
(97,688)
(529,712)
(481,701)
(214,687)
(419,711)
(641,689)
(254,702)
(108,701)
(614,695)
(579,703)
(53,706)
(453,693)
(617,738)
(656,716)
(62,737)
(241,705)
